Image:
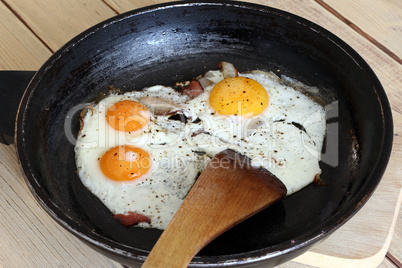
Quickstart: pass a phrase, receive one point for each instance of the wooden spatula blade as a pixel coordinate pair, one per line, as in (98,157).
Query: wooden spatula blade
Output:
(227,192)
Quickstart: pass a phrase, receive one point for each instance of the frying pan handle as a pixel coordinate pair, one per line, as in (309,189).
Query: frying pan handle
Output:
(12,87)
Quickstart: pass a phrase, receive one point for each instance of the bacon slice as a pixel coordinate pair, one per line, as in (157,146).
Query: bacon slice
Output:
(193,89)
(130,219)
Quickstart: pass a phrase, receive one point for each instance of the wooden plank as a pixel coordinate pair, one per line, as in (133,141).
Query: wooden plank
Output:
(122,6)
(28,236)
(292,264)
(395,249)
(373,19)
(56,22)
(19,48)
(387,264)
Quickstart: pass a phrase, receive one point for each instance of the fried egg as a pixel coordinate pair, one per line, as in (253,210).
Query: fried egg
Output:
(257,115)
(133,162)
(141,163)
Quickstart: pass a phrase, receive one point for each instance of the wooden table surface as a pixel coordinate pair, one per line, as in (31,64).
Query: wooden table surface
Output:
(31,30)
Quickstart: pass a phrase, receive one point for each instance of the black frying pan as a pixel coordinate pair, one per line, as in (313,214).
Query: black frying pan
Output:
(175,42)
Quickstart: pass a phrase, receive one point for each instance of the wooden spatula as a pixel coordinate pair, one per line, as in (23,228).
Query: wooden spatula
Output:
(228,191)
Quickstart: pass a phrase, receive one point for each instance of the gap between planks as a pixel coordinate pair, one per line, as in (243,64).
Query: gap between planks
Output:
(111,7)
(393,260)
(359,31)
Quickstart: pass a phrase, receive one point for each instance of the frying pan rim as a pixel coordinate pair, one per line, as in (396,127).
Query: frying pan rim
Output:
(306,239)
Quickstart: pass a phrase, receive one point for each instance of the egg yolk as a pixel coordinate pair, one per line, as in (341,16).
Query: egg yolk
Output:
(125,163)
(238,96)
(128,115)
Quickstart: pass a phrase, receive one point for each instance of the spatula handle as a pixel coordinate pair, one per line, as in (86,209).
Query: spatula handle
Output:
(226,193)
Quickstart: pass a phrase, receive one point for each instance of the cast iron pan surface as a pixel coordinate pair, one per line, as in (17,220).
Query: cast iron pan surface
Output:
(174,42)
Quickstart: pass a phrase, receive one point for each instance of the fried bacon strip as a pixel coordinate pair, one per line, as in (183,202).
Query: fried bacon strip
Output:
(130,219)
(193,89)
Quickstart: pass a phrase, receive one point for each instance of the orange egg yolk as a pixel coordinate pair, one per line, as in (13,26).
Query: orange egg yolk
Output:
(238,96)
(128,115)
(125,163)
